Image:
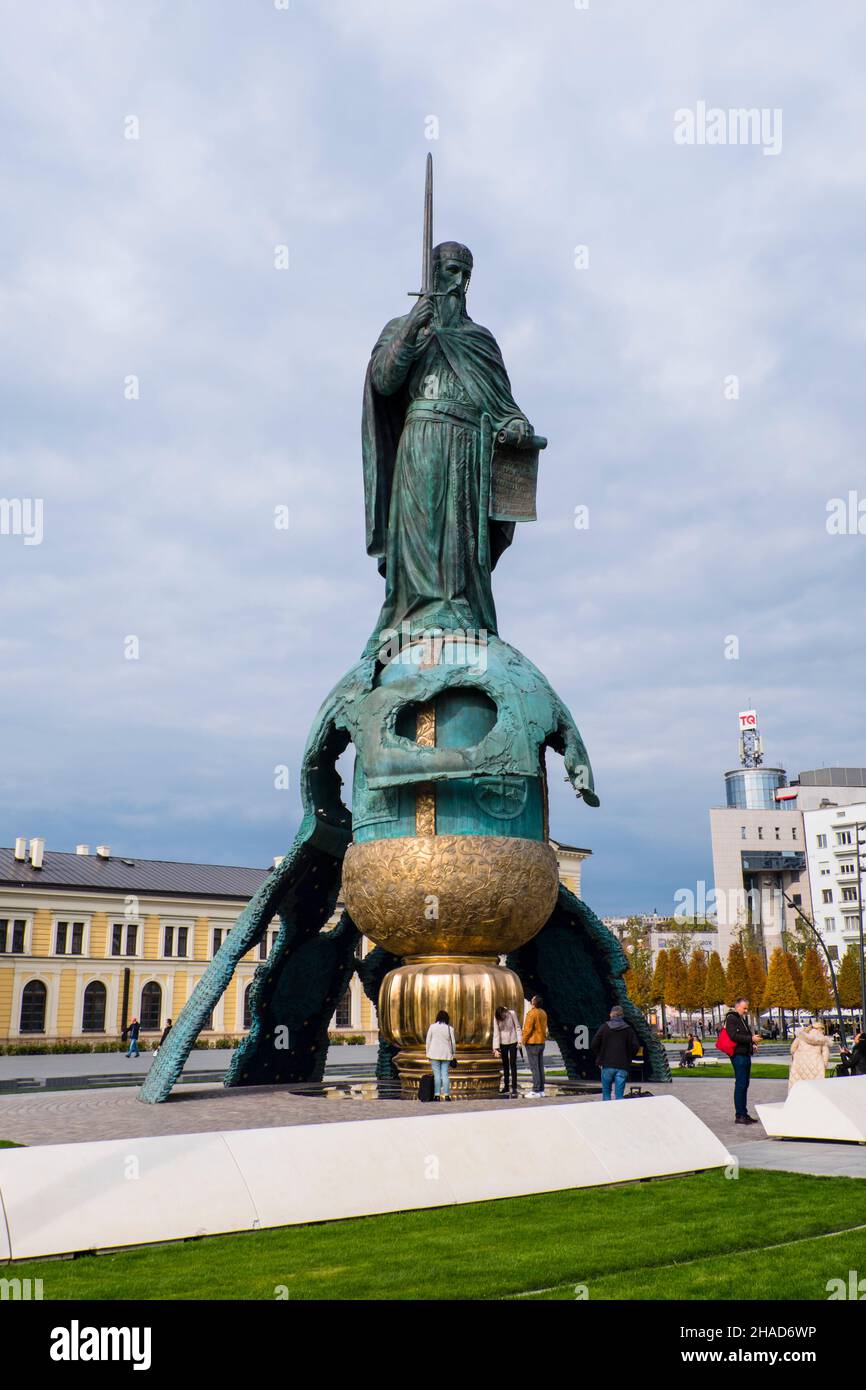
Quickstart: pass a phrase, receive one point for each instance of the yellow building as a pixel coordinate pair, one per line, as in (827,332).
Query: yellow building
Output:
(90,941)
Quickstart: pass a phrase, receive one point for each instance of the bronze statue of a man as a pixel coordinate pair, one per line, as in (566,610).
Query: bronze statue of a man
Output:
(436,395)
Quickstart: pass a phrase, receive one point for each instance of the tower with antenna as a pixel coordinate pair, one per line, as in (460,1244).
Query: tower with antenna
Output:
(752,786)
(751,747)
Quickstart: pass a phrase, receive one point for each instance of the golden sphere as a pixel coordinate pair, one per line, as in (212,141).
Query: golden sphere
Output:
(454,894)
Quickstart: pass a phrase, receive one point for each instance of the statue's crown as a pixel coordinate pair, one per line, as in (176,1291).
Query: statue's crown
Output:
(453,251)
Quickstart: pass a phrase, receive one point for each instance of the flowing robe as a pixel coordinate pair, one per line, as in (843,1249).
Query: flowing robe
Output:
(422,474)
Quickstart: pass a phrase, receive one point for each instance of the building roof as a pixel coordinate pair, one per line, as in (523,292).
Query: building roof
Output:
(157,877)
(161,877)
(834,777)
(569,849)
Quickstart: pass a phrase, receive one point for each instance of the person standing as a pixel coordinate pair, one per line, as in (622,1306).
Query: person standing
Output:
(613,1048)
(132,1034)
(534,1038)
(506,1036)
(165,1032)
(441,1052)
(810,1054)
(744,1040)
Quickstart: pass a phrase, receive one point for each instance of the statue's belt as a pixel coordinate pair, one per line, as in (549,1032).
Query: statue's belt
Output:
(444,410)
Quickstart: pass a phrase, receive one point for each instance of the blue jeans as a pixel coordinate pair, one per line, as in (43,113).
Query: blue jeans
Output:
(441,1080)
(742,1071)
(616,1077)
(535,1058)
(133,1047)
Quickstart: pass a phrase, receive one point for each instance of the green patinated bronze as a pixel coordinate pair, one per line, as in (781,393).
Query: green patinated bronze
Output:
(449,470)
(432,376)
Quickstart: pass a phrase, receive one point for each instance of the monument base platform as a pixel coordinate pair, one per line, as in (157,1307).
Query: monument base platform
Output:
(64,1198)
(474,1076)
(829,1109)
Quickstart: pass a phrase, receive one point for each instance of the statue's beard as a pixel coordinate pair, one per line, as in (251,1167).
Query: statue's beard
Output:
(452,305)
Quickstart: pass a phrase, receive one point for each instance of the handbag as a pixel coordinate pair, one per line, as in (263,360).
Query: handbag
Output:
(520,1052)
(454,1059)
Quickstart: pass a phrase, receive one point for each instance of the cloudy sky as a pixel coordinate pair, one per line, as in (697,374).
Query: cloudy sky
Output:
(306,125)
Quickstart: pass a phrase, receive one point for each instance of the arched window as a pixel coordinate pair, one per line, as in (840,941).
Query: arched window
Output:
(93,1013)
(33,999)
(248,1013)
(151,1007)
(343,1016)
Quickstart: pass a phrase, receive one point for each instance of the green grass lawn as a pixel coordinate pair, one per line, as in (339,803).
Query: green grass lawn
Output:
(9,1144)
(766,1071)
(634,1241)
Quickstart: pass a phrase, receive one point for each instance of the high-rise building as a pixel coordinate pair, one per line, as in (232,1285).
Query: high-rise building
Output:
(831,834)
(759,859)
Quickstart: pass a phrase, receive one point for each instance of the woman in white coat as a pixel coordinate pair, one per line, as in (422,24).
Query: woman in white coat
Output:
(810,1054)
(441,1052)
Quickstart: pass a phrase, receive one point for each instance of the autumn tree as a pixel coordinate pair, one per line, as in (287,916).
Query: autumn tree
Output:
(757,980)
(815,989)
(848,979)
(715,986)
(737,975)
(676,980)
(781,991)
(696,979)
(639,976)
(658,987)
(796,971)
(639,981)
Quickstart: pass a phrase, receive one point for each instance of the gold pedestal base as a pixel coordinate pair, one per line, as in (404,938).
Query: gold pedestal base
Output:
(472,1076)
(469,989)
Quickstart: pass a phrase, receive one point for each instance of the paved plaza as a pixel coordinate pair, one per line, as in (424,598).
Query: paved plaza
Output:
(101,1110)
(78,1116)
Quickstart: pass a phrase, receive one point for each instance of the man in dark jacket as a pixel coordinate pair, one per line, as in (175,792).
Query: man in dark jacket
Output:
(855,1059)
(613,1048)
(132,1034)
(741,1035)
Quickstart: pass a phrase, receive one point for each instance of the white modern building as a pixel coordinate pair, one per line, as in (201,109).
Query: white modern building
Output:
(831,834)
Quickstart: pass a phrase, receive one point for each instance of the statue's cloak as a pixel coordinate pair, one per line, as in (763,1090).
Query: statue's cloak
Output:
(474,356)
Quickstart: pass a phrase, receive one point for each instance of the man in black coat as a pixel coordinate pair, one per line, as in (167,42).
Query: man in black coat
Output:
(855,1059)
(613,1048)
(741,1035)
